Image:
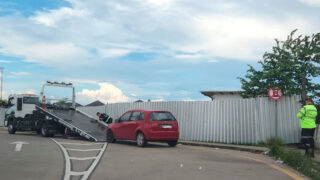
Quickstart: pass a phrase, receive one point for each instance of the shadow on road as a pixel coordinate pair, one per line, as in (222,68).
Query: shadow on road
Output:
(149,145)
(57,136)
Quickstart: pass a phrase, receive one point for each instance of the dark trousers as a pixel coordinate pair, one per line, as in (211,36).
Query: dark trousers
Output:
(307,139)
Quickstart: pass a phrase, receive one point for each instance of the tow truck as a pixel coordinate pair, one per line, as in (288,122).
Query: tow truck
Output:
(26,113)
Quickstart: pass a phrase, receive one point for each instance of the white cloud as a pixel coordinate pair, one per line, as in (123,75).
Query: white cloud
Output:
(51,17)
(311,2)
(19,74)
(234,37)
(14,74)
(5,61)
(100,30)
(113,52)
(29,91)
(107,93)
(81,81)
(213,61)
(189,56)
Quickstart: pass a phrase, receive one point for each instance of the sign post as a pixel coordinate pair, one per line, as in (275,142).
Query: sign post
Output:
(275,94)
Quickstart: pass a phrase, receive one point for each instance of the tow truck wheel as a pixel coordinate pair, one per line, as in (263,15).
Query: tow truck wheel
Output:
(44,130)
(50,135)
(11,128)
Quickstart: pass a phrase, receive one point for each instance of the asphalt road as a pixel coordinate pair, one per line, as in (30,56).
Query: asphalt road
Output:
(59,158)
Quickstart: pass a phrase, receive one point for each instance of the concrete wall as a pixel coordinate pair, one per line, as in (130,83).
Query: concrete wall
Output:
(226,121)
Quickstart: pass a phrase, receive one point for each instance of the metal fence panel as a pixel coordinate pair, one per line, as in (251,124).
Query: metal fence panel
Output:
(226,121)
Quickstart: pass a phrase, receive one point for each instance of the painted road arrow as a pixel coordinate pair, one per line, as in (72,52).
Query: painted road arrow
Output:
(18,145)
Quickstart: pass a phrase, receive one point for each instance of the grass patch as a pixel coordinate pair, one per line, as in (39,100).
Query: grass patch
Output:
(260,143)
(295,159)
(276,147)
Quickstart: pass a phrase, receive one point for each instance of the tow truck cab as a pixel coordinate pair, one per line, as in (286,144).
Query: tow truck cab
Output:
(20,106)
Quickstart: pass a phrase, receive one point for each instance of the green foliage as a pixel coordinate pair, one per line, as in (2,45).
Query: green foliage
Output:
(276,147)
(295,159)
(3,103)
(261,143)
(62,102)
(290,66)
(302,163)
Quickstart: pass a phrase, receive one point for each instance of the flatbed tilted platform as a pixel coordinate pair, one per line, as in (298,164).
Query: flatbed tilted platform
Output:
(77,121)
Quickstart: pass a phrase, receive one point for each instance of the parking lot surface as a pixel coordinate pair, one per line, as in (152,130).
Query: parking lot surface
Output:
(47,158)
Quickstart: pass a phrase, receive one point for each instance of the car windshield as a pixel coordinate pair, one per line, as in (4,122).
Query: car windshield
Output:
(30,100)
(162,116)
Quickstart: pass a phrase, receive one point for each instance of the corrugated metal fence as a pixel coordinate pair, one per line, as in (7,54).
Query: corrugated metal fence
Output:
(2,110)
(226,121)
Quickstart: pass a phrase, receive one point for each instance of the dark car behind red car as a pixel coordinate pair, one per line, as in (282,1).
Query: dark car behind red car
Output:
(144,126)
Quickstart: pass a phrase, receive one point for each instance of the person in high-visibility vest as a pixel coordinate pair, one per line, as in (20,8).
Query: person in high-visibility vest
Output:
(307,116)
(104,117)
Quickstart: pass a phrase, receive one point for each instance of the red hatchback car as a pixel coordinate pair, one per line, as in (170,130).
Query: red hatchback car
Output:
(144,126)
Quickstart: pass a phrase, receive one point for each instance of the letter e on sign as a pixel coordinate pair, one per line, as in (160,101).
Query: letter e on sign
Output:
(275,93)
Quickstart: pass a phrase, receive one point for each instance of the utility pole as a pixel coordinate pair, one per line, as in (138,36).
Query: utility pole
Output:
(1,69)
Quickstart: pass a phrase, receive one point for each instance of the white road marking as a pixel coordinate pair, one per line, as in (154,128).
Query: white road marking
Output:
(85,174)
(18,144)
(82,158)
(84,150)
(81,144)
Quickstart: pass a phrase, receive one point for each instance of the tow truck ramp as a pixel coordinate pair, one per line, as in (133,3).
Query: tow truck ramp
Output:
(77,121)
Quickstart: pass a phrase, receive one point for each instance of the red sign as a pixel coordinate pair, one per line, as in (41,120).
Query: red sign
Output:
(275,93)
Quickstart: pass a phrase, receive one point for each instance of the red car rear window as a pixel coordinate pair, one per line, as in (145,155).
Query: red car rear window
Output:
(162,116)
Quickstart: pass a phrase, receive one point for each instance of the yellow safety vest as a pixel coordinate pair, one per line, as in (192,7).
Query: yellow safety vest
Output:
(307,116)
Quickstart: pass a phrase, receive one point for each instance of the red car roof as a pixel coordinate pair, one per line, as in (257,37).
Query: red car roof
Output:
(148,110)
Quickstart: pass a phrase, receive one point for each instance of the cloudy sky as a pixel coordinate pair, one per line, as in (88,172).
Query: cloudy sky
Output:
(124,50)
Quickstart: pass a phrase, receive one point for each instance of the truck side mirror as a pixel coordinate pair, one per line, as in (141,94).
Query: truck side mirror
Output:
(19,104)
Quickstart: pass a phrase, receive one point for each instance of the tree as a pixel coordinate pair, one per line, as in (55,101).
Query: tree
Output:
(291,66)
(62,102)
(3,103)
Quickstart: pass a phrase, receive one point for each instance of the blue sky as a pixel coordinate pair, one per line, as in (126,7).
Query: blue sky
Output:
(121,50)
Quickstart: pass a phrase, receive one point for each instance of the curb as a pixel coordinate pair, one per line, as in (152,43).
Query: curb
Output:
(223,146)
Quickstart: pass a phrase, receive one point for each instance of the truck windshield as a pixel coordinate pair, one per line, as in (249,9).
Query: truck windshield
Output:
(162,116)
(30,100)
